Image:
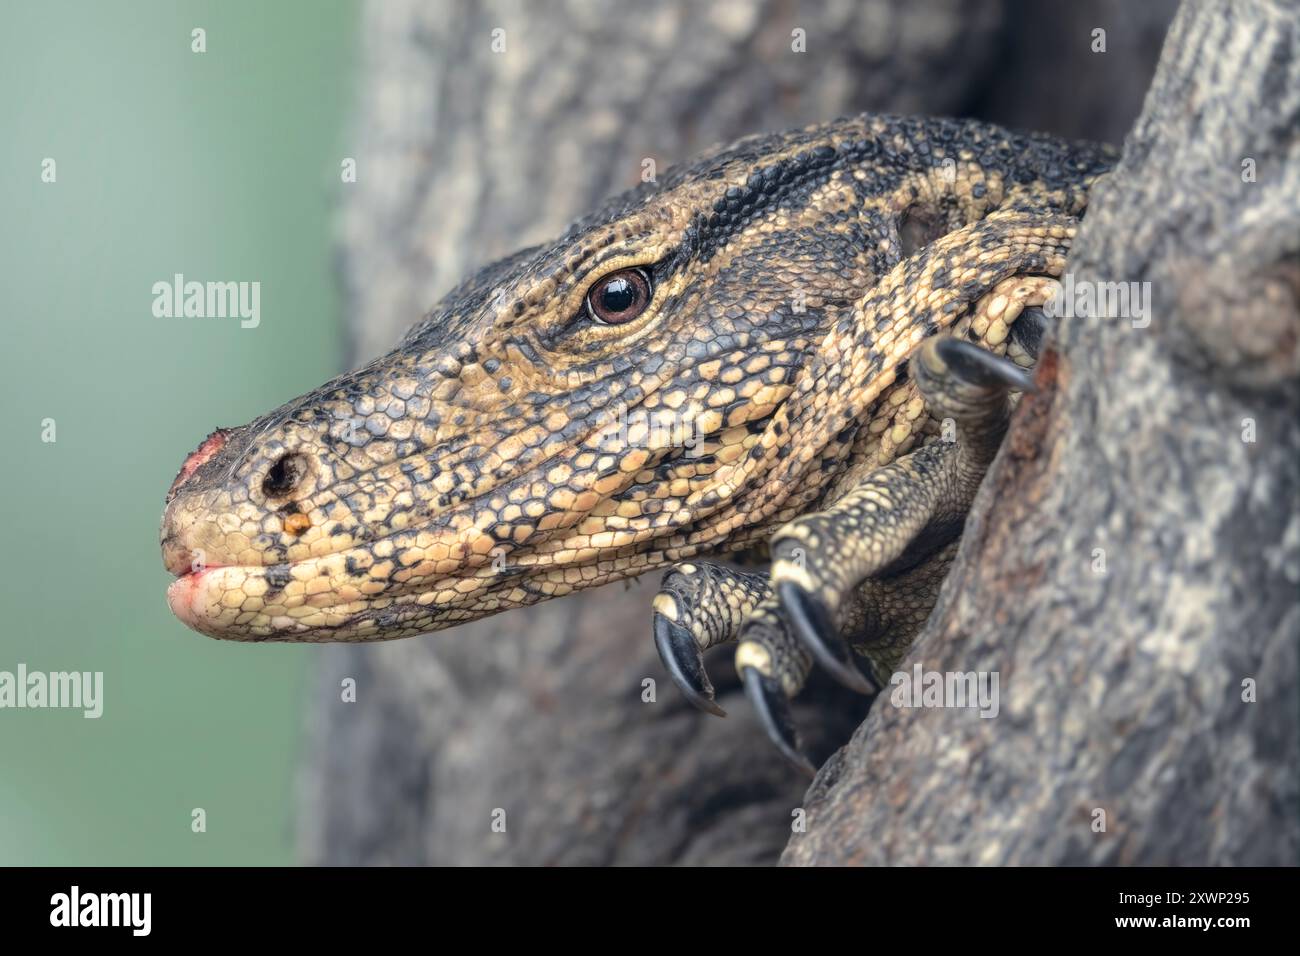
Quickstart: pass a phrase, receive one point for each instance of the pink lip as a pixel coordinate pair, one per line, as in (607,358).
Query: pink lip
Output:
(180,598)
(185,595)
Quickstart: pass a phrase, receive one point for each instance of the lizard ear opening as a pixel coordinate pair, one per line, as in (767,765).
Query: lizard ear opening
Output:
(918,227)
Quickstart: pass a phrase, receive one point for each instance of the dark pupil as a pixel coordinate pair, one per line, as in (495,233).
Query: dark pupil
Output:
(618,295)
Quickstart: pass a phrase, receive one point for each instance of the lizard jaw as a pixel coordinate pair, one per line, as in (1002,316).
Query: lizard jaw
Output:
(268,602)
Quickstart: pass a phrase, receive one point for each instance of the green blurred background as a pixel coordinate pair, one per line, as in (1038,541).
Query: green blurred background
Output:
(223,166)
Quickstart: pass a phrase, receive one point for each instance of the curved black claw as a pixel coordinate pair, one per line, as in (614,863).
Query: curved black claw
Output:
(812,625)
(685,664)
(774,712)
(981,367)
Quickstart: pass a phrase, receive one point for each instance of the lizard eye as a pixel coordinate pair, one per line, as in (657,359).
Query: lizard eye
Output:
(619,297)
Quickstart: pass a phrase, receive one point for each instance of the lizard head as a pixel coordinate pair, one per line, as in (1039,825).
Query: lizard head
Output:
(554,423)
(574,414)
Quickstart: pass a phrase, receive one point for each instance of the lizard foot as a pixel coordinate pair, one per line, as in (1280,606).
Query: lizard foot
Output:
(701,605)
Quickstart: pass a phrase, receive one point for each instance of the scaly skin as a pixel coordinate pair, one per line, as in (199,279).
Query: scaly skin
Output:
(513,448)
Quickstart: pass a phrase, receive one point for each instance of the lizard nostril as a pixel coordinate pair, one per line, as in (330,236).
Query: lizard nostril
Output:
(284,476)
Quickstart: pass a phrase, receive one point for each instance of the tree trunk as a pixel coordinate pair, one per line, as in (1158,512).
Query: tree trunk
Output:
(465,154)
(1131,567)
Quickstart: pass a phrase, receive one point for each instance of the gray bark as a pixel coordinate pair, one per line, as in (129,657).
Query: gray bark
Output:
(1123,691)
(465,155)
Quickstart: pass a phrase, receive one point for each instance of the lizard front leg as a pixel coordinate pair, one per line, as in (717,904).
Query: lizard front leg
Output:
(866,571)
(872,562)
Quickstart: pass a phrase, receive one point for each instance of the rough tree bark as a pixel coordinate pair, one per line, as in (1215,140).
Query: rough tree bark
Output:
(1171,451)
(464,155)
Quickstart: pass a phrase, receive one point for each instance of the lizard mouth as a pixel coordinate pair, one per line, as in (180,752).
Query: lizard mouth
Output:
(346,595)
(260,602)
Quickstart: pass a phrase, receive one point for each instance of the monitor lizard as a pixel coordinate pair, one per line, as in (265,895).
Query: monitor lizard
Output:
(801,347)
